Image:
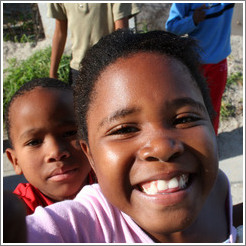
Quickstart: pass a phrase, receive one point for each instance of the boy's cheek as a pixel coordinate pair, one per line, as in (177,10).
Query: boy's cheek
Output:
(203,139)
(209,141)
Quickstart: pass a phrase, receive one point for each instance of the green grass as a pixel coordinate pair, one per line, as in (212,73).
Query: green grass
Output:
(36,66)
(19,30)
(21,38)
(227,110)
(235,79)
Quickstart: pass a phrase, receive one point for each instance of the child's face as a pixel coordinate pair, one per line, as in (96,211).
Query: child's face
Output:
(46,151)
(148,122)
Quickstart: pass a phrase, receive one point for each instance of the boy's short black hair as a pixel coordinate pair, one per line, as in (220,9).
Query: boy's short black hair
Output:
(123,43)
(29,86)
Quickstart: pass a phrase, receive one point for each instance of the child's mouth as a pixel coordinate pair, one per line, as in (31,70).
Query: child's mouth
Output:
(61,175)
(165,186)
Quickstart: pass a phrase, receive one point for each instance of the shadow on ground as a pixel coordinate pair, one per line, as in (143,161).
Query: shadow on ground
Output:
(230,144)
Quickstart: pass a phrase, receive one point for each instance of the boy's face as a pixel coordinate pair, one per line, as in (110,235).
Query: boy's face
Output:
(45,148)
(148,129)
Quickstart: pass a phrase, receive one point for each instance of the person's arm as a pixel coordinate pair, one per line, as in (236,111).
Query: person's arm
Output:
(122,23)
(122,12)
(58,45)
(180,20)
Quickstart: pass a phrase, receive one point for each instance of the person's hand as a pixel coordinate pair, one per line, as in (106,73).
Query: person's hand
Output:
(199,14)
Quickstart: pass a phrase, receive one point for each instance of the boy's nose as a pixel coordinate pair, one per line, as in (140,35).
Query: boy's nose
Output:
(57,151)
(161,148)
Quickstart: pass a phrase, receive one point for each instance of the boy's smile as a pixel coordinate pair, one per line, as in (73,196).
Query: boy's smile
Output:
(151,142)
(44,136)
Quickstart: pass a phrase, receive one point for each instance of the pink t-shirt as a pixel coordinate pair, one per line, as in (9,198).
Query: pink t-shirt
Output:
(89,218)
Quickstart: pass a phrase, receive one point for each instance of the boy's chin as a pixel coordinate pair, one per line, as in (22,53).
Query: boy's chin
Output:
(165,231)
(174,222)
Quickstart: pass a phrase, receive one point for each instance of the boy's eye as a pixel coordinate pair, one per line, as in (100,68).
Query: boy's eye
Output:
(122,130)
(186,120)
(34,142)
(70,133)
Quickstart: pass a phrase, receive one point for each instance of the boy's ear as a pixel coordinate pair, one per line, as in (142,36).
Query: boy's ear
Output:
(13,159)
(85,147)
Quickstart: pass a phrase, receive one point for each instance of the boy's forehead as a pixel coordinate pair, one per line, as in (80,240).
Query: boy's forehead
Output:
(40,108)
(42,92)
(136,75)
(140,57)
(41,97)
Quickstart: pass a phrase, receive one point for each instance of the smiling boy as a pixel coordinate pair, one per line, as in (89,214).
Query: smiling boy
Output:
(144,119)
(169,163)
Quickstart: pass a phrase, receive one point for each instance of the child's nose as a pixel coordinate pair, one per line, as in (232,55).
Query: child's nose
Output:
(160,147)
(57,151)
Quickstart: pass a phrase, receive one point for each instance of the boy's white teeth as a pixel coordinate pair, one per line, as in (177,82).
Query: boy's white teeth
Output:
(152,189)
(162,186)
(173,183)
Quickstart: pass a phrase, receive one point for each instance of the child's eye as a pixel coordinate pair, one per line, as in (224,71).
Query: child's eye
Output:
(34,142)
(70,133)
(123,129)
(188,120)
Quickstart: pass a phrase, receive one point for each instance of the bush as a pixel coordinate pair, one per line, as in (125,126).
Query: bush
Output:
(36,66)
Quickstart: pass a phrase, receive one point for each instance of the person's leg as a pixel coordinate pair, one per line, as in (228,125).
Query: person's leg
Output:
(73,74)
(216,75)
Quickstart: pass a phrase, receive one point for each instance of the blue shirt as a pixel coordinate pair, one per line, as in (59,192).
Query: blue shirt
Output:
(213,33)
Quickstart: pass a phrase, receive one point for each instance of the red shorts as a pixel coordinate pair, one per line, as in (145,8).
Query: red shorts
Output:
(216,75)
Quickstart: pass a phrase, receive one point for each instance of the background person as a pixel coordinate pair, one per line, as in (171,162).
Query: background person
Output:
(210,25)
(87,22)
